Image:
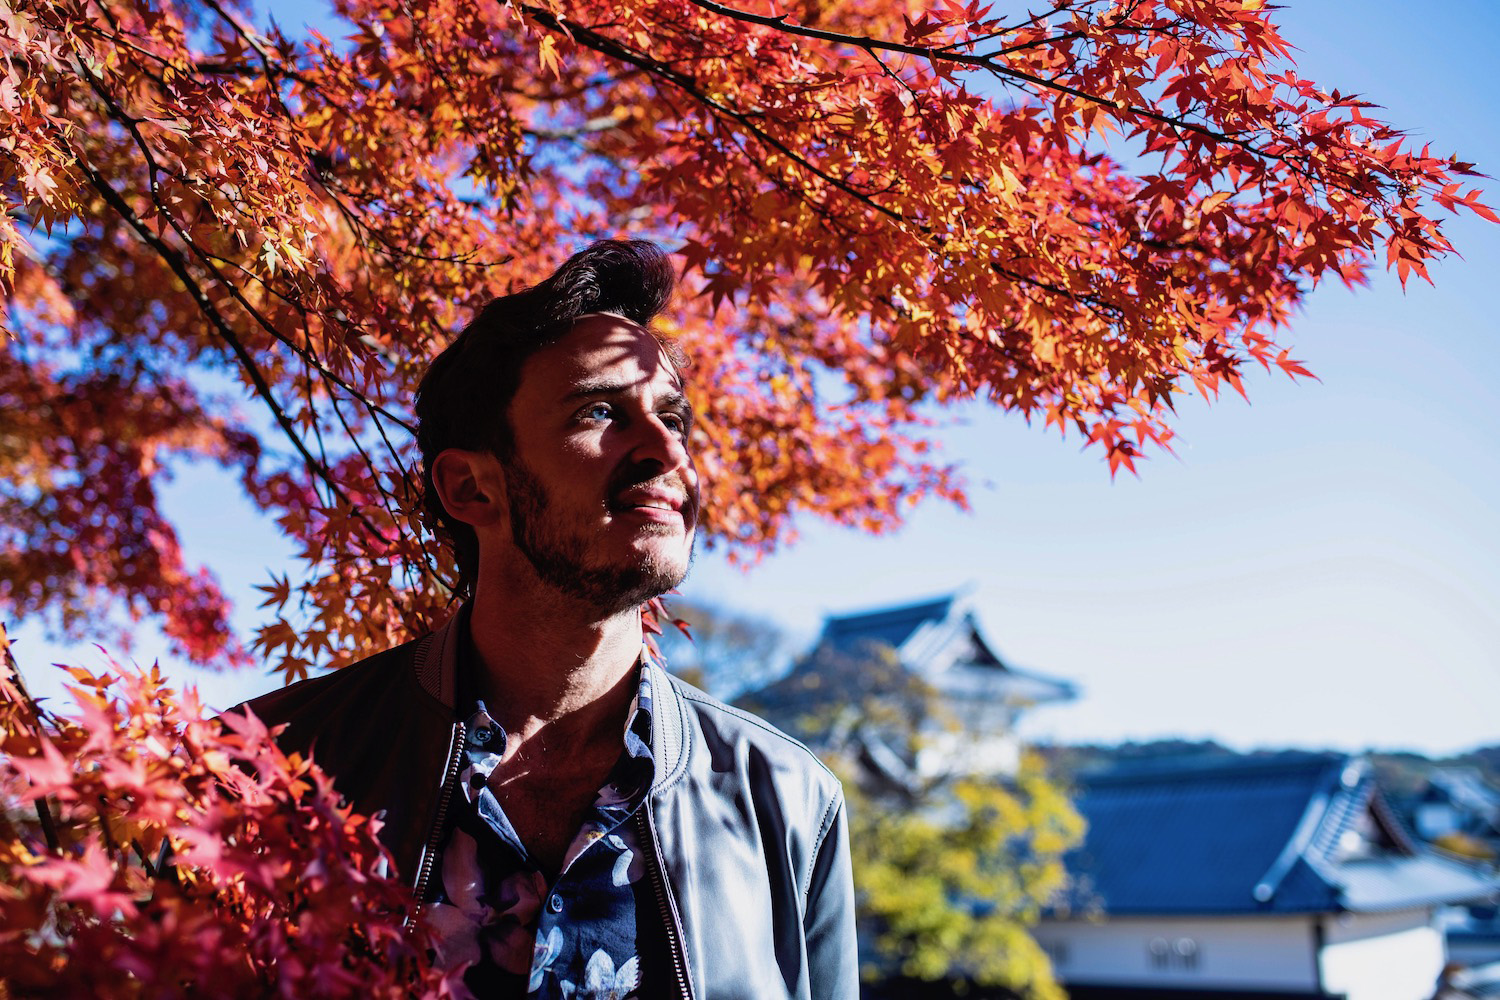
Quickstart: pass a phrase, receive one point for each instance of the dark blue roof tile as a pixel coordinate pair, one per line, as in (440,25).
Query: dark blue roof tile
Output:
(1191,837)
(888,626)
(1248,835)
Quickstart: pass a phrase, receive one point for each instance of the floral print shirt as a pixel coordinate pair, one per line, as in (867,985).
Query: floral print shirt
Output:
(502,931)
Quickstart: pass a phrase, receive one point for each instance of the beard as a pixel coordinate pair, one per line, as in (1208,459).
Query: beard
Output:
(566,557)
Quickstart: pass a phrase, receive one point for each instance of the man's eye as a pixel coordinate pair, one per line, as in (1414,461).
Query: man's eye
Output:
(675,422)
(596,411)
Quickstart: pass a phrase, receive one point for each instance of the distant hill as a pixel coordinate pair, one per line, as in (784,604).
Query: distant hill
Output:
(1081,758)
(1402,773)
(1487,759)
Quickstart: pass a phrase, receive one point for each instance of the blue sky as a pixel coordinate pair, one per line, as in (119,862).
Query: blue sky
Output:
(1320,567)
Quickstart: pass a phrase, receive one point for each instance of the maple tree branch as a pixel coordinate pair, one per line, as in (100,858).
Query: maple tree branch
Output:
(392,503)
(140,853)
(14,687)
(780,22)
(250,38)
(109,16)
(320,466)
(1067,36)
(1107,311)
(571,93)
(359,447)
(305,354)
(209,68)
(601,123)
(308,357)
(270,74)
(610,47)
(111,845)
(419,33)
(894,75)
(274,70)
(309,394)
(213,68)
(335,189)
(380,429)
(178,266)
(1042,16)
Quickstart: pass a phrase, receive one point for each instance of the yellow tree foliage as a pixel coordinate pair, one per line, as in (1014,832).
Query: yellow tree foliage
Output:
(949,889)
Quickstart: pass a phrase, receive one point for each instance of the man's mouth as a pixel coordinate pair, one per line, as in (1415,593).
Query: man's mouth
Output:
(653,498)
(661,500)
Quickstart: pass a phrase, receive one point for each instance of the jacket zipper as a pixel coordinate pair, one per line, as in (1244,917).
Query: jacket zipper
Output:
(664,902)
(445,795)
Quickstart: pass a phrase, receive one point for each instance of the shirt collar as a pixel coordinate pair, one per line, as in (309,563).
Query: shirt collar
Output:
(638,719)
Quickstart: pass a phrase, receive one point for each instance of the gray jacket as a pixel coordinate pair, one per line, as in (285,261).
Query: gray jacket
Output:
(751,859)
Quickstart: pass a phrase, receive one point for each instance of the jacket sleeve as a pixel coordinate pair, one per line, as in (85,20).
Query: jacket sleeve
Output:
(828,921)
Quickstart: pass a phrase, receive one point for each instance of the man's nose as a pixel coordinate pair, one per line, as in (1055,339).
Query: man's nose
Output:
(659,444)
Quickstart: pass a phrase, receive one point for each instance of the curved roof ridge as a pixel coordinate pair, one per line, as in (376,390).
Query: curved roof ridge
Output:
(1299,845)
(944,601)
(1345,810)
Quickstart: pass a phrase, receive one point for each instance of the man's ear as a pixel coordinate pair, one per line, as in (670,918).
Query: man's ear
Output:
(471,485)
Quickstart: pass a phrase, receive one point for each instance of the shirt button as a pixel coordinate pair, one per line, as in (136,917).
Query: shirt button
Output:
(554,903)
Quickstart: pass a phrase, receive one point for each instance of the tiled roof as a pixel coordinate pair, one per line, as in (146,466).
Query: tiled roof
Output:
(1426,879)
(888,626)
(935,641)
(932,635)
(1250,835)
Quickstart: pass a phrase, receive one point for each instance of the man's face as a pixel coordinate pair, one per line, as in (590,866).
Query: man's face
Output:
(602,491)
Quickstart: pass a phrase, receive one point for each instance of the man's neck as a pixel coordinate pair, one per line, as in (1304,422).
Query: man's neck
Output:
(545,665)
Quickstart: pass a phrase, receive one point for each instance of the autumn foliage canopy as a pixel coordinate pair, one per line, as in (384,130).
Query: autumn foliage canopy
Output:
(226,242)
(237,244)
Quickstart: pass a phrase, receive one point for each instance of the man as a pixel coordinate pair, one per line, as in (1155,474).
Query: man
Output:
(576,822)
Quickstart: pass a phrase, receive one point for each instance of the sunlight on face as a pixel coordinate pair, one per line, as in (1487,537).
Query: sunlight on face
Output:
(602,488)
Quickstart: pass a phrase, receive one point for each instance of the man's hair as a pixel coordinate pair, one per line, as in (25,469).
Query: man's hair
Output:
(463,398)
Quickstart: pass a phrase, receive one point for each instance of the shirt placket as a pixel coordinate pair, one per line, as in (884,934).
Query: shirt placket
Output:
(601,832)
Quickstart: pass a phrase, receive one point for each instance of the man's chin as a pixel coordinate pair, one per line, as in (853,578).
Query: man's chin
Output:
(632,590)
(657,573)
(626,582)
(662,571)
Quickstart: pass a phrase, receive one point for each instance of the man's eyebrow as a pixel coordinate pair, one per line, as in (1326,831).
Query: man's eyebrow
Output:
(673,399)
(597,387)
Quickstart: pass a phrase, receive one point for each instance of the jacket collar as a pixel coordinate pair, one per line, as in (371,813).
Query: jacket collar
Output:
(436,667)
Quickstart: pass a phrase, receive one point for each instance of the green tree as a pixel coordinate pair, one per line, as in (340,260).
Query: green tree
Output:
(951,868)
(949,885)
